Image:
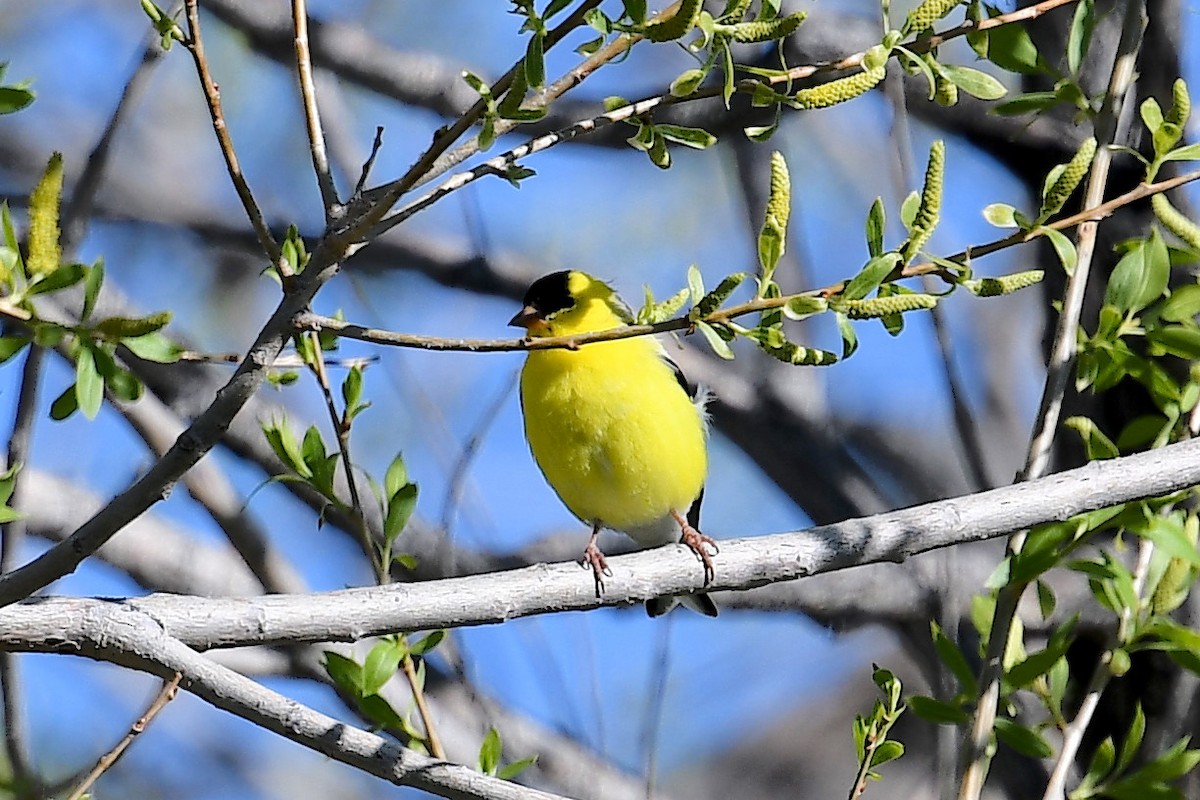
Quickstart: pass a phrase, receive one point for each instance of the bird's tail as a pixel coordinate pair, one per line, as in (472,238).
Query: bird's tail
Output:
(700,603)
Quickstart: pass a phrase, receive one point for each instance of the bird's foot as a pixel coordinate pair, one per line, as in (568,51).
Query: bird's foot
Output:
(699,544)
(592,557)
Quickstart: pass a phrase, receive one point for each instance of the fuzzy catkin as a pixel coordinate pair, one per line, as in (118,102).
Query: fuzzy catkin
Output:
(839,91)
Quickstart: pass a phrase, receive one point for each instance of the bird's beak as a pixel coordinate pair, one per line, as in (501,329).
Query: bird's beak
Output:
(530,319)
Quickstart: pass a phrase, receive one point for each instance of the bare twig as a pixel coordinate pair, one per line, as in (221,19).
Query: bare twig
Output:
(212,94)
(312,115)
(166,695)
(1062,356)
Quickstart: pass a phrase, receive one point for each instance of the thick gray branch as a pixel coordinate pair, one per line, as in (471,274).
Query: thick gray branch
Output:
(122,635)
(743,563)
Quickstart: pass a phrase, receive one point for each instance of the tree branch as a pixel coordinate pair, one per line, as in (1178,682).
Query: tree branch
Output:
(352,614)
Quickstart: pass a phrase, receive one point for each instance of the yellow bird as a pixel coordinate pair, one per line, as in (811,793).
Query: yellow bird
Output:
(613,427)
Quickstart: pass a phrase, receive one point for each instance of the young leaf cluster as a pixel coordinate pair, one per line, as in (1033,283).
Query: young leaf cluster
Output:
(871,742)
(1011,48)
(90,344)
(363,683)
(490,753)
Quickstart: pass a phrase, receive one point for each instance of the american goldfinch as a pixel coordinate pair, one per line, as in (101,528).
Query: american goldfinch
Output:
(613,428)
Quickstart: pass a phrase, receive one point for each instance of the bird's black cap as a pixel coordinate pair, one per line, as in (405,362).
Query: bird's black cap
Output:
(550,294)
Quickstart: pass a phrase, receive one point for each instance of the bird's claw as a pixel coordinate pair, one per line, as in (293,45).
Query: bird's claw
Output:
(592,557)
(699,544)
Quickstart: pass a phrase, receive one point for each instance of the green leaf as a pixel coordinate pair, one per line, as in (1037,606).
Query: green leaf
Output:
(887,751)
(89,386)
(381,664)
(1140,431)
(1026,103)
(14,98)
(909,208)
(428,642)
(1081,34)
(849,337)
(1095,442)
(936,711)
(1046,598)
(876,225)
(1000,215)
(395,477)
(64,405)
(131,328)
(804,306)
(352,389)
(10,346)
(1010,48)
(10,238)
(1151,113)
(154,347)
(974,82)
(696,138)
(1168,535)
(687,82)
(719,345)
(953,658)
(380,711)
(695,283)
(871,276)
(1189,152)
(1178,340)
(400,509)
(489,752)
(1102,760)
(1140,277)
(1182,305)
(1022,739)
(91,289)
(345,672)
(279,435)
(62,277)
(535,65)
(1064,248)
(510,771)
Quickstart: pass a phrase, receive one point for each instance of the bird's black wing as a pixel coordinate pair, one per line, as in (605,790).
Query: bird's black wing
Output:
(690,388)
(693,515)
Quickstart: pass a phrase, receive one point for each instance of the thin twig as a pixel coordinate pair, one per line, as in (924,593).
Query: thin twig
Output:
(312,115)
(311,321)
(376,145)
(427,165)
(212,94)
(169,689)
(1062,356)
(926,43)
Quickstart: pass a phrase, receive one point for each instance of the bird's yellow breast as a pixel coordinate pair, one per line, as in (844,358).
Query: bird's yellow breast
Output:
(613,432)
